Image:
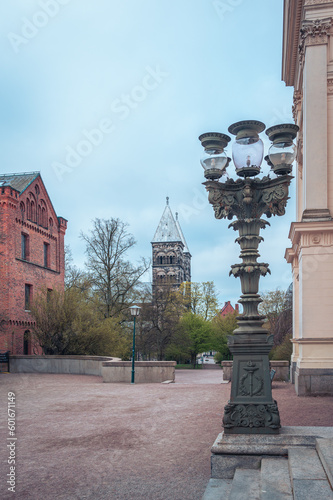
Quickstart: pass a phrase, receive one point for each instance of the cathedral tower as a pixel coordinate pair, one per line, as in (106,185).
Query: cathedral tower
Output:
(171,256)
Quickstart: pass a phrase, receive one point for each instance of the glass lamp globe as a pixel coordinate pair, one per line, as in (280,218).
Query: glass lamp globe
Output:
(282,152)
(214,162)
(282,155)
(248,148)
(214,159)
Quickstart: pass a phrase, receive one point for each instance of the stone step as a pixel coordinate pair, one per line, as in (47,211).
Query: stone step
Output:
(246,485)
(307,475)
(275,479)
(324,449)
(217,489)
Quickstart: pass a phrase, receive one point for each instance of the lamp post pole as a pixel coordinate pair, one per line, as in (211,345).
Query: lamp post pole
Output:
(135,311)
(251,409)
(133,353)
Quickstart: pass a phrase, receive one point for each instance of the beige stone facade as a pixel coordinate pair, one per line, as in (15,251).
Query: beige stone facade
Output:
(308,67)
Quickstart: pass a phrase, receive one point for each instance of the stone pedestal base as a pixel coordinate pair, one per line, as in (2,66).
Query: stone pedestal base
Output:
(232,451)
(314,381)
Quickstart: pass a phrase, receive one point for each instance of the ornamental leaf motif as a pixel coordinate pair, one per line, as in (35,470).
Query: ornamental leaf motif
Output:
(251,415)
(275,194)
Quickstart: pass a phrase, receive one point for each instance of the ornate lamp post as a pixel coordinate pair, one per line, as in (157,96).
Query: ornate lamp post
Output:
(135,311)
(251,409)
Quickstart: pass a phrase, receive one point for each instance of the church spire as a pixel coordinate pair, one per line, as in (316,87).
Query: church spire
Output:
(167,229)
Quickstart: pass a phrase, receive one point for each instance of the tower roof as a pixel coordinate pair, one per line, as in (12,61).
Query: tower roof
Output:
(168,229)
(186,250)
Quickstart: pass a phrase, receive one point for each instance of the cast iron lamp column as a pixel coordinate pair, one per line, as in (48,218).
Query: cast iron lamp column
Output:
(251,409)
(135,311)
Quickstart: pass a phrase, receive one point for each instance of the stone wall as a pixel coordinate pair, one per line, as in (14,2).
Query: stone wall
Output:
(145,371)
(281,368)
(78,365)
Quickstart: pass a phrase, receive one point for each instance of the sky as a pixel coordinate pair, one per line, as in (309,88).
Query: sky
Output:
(107,99)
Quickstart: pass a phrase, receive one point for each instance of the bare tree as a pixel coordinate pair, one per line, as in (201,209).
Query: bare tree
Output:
(113,278)
(159,318)
(74,277)
(277,307)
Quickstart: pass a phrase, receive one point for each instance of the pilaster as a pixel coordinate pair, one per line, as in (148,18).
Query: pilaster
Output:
(314,37)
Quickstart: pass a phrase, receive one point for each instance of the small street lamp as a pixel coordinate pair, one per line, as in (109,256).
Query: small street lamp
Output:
(251,409)
(135,311)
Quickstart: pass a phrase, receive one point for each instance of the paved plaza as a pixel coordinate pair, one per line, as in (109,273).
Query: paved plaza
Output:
(79,438)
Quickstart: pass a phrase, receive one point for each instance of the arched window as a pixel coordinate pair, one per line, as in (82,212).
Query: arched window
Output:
(39,215)
(28,209)
(33,211)
(33,207)
(160,258)
(22,210)
(44,218)
(42,214)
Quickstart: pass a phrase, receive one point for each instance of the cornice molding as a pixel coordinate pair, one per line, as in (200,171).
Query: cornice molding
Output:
(291,27)
(316,2)
(314,233)
(290,255)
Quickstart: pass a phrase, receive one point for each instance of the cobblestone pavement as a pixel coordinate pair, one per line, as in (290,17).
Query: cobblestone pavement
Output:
(78,438)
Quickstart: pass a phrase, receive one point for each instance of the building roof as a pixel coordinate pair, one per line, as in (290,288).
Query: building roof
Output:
(167,229)
(20,182)
(186,250)
(228,308)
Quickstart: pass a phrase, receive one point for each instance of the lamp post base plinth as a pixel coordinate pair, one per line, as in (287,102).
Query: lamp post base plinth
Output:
(249,418)
(251,409)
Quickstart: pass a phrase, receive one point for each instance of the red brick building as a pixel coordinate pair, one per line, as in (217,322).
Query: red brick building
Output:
(31,255)
(228,308)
